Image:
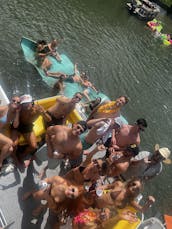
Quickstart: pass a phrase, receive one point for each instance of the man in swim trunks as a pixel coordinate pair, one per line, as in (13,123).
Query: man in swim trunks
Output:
(127,135)
(63,142)
(29,112)
(63,107)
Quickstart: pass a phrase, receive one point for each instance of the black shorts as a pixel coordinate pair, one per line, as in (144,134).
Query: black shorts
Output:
(24,129)
(54,121)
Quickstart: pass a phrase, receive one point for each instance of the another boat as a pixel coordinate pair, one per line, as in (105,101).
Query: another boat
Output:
(144,9)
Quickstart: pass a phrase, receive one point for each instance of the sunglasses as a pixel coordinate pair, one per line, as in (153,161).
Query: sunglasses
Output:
(77,97)
(15,102)
(80,129)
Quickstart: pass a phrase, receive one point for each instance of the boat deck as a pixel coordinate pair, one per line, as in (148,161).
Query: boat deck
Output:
(12,188)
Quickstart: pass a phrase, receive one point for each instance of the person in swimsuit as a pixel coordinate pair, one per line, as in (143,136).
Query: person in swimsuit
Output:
(75,77)
(89,171)
(63,142)
(87,86)
(123,194)
(55,190)
(62,108)
(9,119)
(9,114)
(29,112)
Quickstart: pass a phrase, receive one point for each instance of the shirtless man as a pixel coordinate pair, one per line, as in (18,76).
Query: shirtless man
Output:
(119,161)
(109,109)
(29,112)
(64,143)
(55,190)
(63,107)
(101,128)
(127,135)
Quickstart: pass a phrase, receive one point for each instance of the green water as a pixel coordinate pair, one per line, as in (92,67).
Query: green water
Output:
(120,53)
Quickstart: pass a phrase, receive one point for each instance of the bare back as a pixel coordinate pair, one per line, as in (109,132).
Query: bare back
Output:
(126,136)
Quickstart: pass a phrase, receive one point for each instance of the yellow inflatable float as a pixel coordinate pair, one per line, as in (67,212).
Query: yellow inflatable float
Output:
(123,224)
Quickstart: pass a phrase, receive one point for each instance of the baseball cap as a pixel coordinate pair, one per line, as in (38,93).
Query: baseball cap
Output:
(25,99)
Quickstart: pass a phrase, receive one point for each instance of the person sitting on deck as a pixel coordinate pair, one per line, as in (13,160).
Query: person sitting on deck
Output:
(109,109)
(63,142)
(147,165)
(29,112)
(62,108)
(9,114)
(9,119)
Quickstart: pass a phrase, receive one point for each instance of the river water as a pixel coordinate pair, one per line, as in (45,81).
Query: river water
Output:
(120,53)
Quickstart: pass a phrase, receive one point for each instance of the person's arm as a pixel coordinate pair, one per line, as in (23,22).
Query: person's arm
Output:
(16,119)
(49,180)
(148,203)
(43,112)
(92,153)
(55,74)
(92,122)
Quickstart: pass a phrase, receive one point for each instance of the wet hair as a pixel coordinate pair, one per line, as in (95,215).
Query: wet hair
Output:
(41,42)
(133,180)
(142,122)
(83,124)
(104,167)
(134,149)
(125,97)
(78,93)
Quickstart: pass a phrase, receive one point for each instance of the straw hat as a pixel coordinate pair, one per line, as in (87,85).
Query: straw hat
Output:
(165,152)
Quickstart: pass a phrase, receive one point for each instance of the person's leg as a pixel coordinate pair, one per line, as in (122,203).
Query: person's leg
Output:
(32,146)
(6,148)
(46,64)
(15,138)
(49,137)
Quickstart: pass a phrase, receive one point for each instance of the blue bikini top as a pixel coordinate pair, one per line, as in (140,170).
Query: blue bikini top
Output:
(3,119)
